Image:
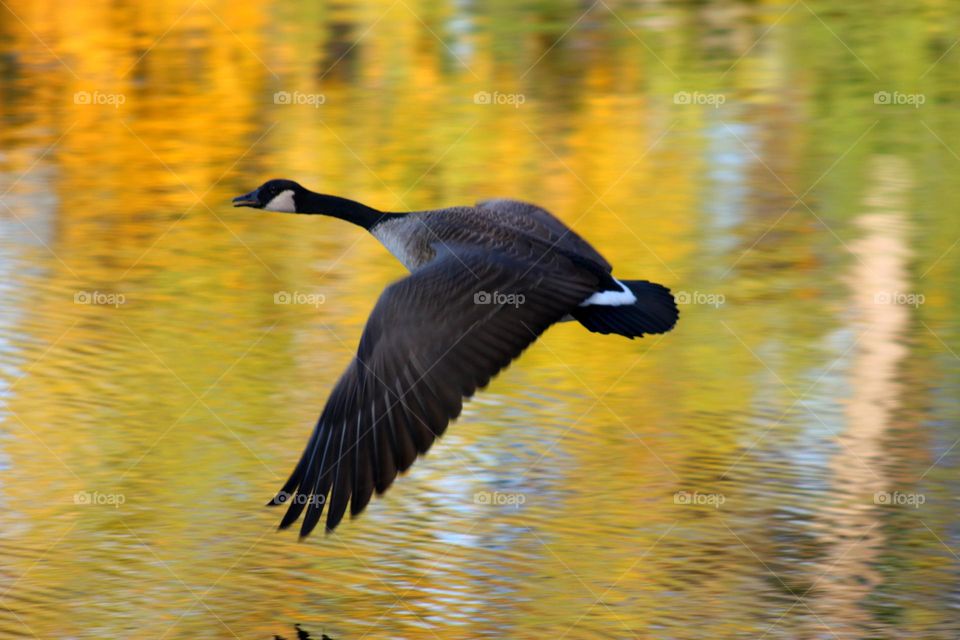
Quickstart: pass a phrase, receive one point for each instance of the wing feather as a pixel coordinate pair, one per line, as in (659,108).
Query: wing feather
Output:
(427,345)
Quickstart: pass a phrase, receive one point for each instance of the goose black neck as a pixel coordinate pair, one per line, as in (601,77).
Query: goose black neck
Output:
(343,208)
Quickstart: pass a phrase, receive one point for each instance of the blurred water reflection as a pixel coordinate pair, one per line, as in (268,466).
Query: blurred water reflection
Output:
(784,464)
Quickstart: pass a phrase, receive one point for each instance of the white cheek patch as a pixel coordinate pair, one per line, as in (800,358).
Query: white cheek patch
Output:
(611,298)
(283,202)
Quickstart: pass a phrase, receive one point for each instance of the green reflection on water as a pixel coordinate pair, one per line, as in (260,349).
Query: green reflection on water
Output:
(739,153)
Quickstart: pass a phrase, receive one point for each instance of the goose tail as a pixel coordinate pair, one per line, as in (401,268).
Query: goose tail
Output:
(653,311)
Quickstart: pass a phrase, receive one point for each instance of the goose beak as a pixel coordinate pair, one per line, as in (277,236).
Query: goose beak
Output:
(247,200)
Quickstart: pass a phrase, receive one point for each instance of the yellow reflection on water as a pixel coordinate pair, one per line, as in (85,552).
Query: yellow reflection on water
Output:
(143,431)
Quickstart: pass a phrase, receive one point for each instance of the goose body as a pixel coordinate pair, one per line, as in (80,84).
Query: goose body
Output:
(485,281)
(404,238)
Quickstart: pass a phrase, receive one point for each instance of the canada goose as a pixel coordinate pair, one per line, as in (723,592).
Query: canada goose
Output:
(485,282)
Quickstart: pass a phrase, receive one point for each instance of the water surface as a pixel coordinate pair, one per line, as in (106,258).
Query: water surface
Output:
(782,465)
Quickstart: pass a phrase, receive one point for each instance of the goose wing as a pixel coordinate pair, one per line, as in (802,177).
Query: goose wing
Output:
(433,338)
(530,218)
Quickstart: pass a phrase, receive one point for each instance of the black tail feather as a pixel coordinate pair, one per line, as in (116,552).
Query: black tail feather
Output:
(655,311)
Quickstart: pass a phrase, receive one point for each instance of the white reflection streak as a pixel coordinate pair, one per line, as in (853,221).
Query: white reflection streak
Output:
(883,266)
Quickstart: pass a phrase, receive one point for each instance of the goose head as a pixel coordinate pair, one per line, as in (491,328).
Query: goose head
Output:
(274,195)
(287,196)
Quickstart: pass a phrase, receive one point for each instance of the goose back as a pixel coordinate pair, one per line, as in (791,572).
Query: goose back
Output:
(499,224)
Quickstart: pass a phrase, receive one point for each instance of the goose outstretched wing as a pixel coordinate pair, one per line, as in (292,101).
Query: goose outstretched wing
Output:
(434,338)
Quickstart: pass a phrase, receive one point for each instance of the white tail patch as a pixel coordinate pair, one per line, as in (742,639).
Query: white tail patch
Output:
(611,298)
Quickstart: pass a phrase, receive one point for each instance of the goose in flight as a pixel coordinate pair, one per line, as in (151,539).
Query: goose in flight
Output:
(485,281)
